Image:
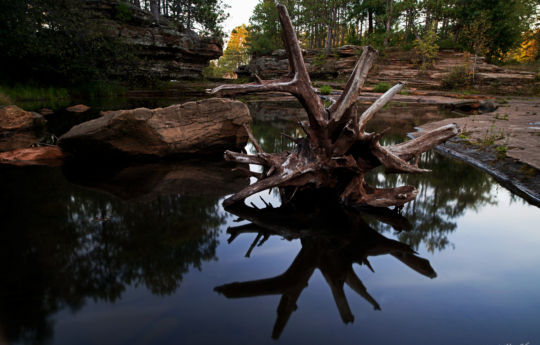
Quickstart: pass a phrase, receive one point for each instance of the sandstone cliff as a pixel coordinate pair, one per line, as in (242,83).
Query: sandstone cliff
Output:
(166,51)
(395,66)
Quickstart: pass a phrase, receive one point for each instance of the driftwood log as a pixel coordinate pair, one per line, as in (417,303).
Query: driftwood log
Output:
(336,152)
(333,239)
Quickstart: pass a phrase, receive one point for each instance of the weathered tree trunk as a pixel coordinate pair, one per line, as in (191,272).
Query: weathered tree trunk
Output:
(389,14)
(336,153)
(329,35)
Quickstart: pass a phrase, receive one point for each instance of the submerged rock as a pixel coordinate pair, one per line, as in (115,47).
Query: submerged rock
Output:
(204,127)
(79,108)
(42,155)
(46,111)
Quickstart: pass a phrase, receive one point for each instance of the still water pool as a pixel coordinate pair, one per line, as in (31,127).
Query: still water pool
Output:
(147,255)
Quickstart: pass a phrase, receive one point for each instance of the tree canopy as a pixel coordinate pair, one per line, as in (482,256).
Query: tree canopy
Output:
(204,16)
(496,26)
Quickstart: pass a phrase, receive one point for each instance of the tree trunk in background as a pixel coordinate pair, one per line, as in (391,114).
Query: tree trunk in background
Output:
(154,8)
(428,21)
(329,32)
(370,21)
(410,23)
(389,13)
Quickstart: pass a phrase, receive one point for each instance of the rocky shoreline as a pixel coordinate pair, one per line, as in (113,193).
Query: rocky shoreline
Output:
(509,172)
(500,135)
(505,143)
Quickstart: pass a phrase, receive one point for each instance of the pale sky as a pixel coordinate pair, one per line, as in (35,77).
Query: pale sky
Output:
(239,13)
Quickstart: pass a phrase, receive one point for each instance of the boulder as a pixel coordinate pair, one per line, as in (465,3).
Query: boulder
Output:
(204,127)
(41,155)
(13,118)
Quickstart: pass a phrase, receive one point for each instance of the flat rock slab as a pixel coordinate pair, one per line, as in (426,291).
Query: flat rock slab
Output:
(205,127)
(42,155)
(514,125)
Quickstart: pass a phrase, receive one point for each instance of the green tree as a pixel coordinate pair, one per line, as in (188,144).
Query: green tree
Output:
(264,30)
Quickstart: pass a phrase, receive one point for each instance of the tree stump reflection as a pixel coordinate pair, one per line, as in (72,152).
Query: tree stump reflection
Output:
(333,238)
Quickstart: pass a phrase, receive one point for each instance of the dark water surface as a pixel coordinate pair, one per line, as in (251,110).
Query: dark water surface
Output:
(140,255)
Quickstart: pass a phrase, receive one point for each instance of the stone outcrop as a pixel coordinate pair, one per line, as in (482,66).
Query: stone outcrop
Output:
(204,127)
(19,128)
(393,67)
(166,51)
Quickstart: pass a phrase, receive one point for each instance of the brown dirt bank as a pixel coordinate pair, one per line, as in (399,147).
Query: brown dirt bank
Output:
(505,143)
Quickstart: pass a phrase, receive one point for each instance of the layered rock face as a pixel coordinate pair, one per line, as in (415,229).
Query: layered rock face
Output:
(204,127)
(166,51)
(393,67)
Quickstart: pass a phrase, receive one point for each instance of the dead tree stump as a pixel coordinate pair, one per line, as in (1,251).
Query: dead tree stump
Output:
(336,152)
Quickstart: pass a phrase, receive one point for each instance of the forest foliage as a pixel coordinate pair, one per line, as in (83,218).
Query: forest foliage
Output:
(490,27)
(203,16)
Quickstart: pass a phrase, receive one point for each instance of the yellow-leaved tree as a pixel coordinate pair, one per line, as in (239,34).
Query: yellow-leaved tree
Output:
(235,55)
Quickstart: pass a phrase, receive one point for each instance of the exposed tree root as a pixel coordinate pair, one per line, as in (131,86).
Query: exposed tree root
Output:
(336,152)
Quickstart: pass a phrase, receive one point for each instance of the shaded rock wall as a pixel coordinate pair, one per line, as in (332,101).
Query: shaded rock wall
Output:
(166,51)
(393,67)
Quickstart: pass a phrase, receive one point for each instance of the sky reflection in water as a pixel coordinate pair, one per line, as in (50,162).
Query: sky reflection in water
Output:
(81,265)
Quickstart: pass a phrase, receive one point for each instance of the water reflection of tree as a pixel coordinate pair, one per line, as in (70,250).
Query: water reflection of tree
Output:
(333,238)
(61,245)
(444,195)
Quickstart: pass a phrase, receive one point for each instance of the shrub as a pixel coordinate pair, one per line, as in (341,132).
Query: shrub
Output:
(449,44)
(4,99)
(427,49)
(326,89)
(381,87)
(319,60)
(457,78)
(123,12)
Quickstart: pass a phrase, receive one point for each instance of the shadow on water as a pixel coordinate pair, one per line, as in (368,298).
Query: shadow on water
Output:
(333,238)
